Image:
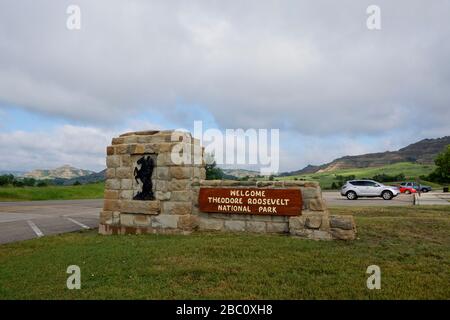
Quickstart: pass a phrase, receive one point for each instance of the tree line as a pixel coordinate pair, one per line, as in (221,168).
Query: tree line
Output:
(9,180)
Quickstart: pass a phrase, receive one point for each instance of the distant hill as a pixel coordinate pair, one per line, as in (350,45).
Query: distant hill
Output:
(308,169)
(422,152)
(240,173)
(232,174)
(64,172)
(91,178)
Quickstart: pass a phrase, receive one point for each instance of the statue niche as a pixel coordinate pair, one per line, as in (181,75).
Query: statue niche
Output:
(144,176)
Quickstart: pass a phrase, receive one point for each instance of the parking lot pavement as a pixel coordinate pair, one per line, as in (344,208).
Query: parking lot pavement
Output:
(32,219)
(433,198)
(334,198)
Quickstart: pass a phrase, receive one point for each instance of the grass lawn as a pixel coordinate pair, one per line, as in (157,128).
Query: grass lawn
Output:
(410,244)
(87,191)
(410,170)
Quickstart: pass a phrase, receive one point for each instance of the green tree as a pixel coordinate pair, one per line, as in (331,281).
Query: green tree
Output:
(442,172)
(212,171)
(6,179)
(29,182)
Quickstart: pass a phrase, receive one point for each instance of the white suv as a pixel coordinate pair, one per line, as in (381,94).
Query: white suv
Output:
(368,188)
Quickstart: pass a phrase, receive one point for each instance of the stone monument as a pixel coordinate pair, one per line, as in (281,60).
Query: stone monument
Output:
(155,183)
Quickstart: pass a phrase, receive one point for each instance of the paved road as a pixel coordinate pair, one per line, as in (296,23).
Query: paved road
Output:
(433,198)
(31,219)
(334,198)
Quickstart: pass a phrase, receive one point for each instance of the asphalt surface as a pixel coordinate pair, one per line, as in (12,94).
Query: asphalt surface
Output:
(433,198)
(334,198)
(32,219)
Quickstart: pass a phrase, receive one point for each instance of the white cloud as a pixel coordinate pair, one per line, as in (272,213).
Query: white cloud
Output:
(310,68)
(82,147)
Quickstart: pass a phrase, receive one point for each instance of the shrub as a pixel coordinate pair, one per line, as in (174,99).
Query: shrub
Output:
(29,182)
(387,178)
(342,179)
(42,184)
(18,183)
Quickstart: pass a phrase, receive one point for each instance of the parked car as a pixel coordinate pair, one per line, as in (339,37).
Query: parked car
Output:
(368,188)
(407,190)
(416,186)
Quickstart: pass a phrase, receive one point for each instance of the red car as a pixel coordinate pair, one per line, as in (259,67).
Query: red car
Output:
(407,190)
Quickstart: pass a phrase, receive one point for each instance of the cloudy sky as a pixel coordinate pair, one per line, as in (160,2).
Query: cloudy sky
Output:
(309,68)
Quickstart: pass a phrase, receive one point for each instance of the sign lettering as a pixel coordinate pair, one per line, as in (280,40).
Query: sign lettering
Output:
(283,202)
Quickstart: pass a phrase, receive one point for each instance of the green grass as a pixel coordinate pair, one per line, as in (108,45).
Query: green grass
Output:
(410,170)
(87,191)
(410,244)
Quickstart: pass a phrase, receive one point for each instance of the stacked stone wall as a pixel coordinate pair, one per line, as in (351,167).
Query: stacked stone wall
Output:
(175,207)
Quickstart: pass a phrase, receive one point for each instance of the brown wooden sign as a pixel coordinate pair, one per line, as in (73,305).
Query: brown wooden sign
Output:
(282,202)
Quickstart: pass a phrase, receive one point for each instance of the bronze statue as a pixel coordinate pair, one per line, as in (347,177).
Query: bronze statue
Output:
(144,175)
